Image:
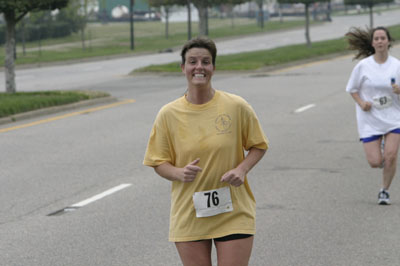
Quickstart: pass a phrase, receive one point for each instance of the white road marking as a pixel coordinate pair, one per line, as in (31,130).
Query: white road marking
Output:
(100,196)
(304,108)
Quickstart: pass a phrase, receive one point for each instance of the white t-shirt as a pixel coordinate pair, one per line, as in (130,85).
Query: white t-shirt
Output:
(373,83)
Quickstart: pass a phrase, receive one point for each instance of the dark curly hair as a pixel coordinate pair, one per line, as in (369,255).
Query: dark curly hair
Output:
(361,40)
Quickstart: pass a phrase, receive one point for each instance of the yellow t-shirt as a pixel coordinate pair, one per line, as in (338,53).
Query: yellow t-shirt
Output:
(217,132)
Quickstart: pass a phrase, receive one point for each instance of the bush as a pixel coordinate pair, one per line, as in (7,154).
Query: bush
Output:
(14,103)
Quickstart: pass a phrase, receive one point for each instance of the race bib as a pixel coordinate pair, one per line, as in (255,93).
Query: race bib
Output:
(382,102)
(212,202)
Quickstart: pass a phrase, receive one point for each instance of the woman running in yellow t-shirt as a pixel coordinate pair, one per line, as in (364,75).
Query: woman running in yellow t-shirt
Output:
(198,143)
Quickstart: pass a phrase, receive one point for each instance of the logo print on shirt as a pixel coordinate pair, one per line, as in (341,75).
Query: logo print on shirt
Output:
(223,123)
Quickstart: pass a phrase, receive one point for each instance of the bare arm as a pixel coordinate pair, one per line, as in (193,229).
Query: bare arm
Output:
(236,176)
(172,173)
(365,106)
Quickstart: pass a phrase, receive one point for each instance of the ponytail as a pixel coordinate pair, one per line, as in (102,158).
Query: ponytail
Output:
(361,41)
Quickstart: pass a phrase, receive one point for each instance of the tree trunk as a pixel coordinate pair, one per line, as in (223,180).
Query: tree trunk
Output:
(329,11)
(84,24)
(9,59)
(307,25)
(202,19)
(83,39)
(23,37)
(166,22)
(371,16)
(260,15)
(229,10)
(206,21)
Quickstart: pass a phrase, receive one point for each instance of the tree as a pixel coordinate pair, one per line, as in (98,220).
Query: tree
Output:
(76,16)
(202,7)
(306,12)
(13,12)
(167,4)
(260,16)
(370,4)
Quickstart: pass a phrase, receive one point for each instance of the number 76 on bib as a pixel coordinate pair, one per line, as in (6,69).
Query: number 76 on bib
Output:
(212,202)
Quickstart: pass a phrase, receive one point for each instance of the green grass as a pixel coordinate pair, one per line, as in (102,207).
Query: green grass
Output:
(259,59)
(114,39)
(281,55)
(272,57)
(14,103)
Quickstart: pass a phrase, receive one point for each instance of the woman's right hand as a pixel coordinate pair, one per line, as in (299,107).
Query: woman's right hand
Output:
(365,106)
(396,88)
(172,173)
(189,172)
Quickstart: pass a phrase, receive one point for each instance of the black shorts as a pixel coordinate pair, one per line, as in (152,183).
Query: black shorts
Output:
(229,237)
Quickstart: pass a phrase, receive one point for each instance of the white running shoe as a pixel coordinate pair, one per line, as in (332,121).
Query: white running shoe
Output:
(383,197)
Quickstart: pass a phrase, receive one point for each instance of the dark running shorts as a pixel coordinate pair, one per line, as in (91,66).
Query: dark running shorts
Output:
(230,237)
(375,137)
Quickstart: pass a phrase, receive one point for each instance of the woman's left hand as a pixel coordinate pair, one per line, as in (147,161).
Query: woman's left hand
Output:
(235,177)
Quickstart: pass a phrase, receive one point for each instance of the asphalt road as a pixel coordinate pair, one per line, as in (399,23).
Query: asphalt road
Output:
(316,196)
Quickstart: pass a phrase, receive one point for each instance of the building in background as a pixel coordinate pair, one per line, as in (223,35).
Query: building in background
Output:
(119,10)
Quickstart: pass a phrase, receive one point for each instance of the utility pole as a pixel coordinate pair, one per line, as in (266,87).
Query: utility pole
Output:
(189,21)
(132,2)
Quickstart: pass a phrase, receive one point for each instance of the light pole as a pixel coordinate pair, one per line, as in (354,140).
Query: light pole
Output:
(189,21)
(132,2)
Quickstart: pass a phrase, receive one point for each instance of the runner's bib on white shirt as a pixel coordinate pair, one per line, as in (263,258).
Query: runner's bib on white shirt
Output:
(382,102)
(212,202)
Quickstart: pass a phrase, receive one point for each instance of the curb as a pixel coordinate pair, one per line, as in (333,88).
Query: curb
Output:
(56,109)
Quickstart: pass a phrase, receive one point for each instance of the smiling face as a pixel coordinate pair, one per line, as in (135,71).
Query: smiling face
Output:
(198,67)
(380,41)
